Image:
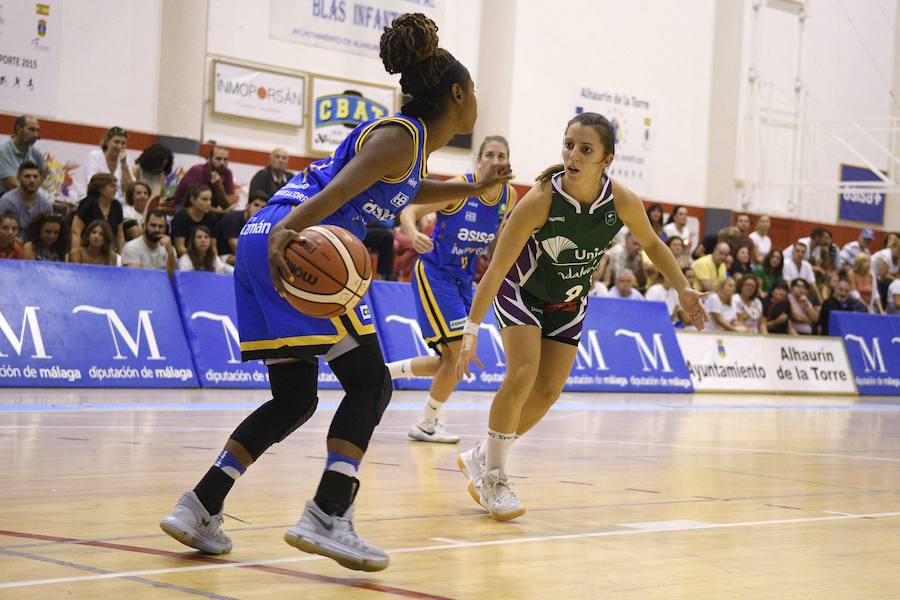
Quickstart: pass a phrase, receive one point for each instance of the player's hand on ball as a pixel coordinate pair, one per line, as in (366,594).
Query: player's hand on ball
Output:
(422,243)
(279,238)
(690,303)
(467,353)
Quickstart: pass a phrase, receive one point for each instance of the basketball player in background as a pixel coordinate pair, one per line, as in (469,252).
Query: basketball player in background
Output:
(376,171)
(538,279)
(443,280)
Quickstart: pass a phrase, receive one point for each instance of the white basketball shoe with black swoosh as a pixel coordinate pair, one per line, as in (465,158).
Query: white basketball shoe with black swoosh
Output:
(193,526)
(335,537)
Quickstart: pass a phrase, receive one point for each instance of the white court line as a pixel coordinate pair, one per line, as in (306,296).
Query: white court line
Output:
(665,527)
(447,541)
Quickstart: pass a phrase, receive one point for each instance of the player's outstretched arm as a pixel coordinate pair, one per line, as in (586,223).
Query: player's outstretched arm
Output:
(431,192)
(531,213)
(386,152)
(631,211)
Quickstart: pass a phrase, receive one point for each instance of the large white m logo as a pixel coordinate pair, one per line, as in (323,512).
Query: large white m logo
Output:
(232,339)
(116,325)
(873,360)
(654,358)
(587,352)
(29,322)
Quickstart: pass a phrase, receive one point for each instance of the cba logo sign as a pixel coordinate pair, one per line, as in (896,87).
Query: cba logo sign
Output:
(349,108)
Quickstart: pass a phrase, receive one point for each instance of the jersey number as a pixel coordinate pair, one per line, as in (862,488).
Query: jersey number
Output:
(573,293)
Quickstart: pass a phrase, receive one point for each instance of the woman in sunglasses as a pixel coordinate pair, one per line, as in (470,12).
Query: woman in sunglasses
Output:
(110,158)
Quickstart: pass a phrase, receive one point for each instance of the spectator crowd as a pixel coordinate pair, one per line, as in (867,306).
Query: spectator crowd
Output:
(125,220)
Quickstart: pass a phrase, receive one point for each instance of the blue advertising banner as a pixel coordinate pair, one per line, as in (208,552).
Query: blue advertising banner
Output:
(64,325)
(209,315)
(635,351)
(628,346)
(401,337)
(873,347)
(864,206)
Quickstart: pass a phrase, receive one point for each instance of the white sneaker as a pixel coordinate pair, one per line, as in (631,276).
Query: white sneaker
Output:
(432,430)
(193,526)
(499,498)
(335,537)
(472,466)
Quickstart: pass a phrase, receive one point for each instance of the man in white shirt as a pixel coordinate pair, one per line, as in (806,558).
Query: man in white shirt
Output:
(811,242)
(893,299)
(851,250)
(624,287)
(886,262)
(153,250)
(762,243)
(663,292)
(797,267)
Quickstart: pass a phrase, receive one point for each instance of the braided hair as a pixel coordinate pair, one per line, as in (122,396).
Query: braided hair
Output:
(427,73)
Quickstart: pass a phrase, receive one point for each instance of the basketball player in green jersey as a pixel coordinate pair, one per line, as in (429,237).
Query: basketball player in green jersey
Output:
(538,279)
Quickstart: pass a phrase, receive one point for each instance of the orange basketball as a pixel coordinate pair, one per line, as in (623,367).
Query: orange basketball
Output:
(332,271)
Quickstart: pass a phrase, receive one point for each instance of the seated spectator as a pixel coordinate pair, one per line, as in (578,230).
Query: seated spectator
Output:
(137,198)
(111,158)
(711,269)
(380,240)
(677,226)
(215,175)
(661,291)
(770,271)
(809,243)
(825,254)
(624,287)
(803,314)
(893,300)
(628,256)
(153,250)
(100,203)
(747,305)
(777,308)
(841,300)
(681,254)
(201,253)
(827,284)
(886,264)
(691,279)
(729,235)
(95,245)
(10,246)
(655,216)
(740,266)
(743,240)
(46,238)
(863,285)
(271,179)
(232,222)
(18,149)
(28,200)
(851,250)
(153,166)
(197,211)
(762,243)
(722,314)
(799,267)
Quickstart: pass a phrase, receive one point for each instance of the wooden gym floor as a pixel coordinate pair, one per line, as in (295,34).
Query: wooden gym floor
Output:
(703,497)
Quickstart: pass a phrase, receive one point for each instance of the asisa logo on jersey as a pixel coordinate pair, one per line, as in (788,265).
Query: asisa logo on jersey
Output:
(473,235)
(347,109)
(382,214)
(400,200)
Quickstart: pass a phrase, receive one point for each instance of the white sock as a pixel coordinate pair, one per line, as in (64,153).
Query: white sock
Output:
(496,449)
(432,409)
(400,368)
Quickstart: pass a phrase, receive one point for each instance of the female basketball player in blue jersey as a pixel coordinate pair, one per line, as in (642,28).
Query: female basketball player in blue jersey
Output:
(375,172)
(443,280)
(538,281)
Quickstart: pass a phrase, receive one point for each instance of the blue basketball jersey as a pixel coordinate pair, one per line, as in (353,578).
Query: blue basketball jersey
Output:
(464,231)
(382,201)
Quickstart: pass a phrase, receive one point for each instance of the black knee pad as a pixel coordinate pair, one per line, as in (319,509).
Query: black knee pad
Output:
(368,388)
(293,403)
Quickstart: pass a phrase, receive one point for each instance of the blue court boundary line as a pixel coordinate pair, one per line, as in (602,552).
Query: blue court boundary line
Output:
(485,405)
